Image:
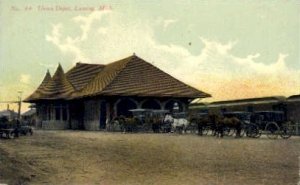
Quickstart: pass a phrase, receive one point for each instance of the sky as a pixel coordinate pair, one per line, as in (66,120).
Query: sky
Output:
(230,49)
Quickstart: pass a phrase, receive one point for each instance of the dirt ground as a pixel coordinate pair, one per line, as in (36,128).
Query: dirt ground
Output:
(79,157)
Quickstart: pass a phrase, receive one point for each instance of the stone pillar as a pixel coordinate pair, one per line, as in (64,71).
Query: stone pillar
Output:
(115,111)
(108,112)
(92,115)
(61,112)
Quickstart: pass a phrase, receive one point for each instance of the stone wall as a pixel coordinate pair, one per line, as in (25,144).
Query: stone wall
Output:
(74,124)
(54,125)
(91,115)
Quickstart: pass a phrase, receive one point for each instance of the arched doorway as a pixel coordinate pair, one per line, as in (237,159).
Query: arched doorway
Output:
(170,105)
(151,104)
(124,105)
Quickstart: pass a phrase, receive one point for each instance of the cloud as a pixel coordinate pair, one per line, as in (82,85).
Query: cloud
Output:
(87,21)
(216,69)
(25,78)
(47,65)
(228,76)
(168,22)
(67,44)
(103,31)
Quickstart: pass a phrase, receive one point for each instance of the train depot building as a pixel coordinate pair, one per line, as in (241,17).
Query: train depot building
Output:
(90,95)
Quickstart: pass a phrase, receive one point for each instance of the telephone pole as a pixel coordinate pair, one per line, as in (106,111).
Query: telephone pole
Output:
(19,104)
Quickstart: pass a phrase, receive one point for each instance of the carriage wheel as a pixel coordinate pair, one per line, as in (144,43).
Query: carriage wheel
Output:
(211,131)
(243,132)
(25,132)
(145,127)
(162,129)
(272,130)
(226,131)
(252,130)
(259,134)
(123,125)
(10,135)
(110,125)
(286,132)
(229,132)
(191,129)
(205,131)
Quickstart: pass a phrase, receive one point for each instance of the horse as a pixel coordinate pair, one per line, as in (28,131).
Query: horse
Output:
(229,122)
(217,124)
(156,124)
(179,125)
(204,121)
(116,124)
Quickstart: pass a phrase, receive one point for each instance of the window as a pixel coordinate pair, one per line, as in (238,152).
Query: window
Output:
(57,113)
(43,112)
(64,113)
(49,113)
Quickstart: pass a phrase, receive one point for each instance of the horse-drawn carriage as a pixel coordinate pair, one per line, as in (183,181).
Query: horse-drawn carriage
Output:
(217,124)
(247,127)
(7,129)
(178,122)
(238,123)
(13,128)
(252,124)
(142,120)
(272,123)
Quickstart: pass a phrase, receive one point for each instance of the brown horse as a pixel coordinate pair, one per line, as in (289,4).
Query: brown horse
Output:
(217,124)
(229,122)
(204,121)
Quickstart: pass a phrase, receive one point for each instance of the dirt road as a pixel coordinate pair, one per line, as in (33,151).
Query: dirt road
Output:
(78,157)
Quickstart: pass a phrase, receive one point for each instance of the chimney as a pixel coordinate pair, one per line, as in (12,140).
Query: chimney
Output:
(7,106)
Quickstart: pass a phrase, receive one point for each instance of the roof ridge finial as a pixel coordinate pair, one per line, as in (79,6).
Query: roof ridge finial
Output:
(59,69)
(134,54)
(59,66)
(48,73)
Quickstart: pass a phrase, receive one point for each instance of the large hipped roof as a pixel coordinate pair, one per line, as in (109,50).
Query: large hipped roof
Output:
(131,76)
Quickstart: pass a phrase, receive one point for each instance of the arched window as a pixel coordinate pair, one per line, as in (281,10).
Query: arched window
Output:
(124,106)
(151,104)
(170,105)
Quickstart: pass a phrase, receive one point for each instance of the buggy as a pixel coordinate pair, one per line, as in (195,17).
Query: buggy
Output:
(8,129)
(143,120)
(273,123)
(248,128)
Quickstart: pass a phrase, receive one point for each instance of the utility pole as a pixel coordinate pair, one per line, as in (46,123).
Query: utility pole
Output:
(20,104)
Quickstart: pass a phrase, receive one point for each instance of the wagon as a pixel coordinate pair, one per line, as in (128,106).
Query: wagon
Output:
(143,120)
(272,123)
(7,133)
(158,124)
(14,128)
(7,129)
(26,130)
(195,119)
(249,129)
